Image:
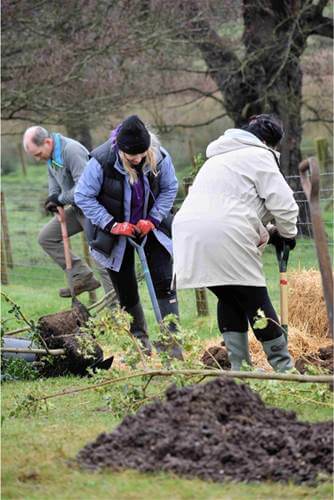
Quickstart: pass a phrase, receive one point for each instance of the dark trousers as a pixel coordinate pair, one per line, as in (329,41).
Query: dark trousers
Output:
(238,305)
(161,268)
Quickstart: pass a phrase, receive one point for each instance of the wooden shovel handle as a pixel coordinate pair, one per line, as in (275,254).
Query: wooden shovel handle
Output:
(310,179)
(284,299)
(62,220)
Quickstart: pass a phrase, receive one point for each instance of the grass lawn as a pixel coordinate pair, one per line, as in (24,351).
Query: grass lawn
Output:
(38,449)
(37,452)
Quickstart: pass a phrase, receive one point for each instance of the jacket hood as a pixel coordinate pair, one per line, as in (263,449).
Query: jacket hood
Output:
(233,140)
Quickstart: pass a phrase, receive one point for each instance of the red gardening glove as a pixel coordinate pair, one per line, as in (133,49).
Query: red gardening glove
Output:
(123,229)
(144,226)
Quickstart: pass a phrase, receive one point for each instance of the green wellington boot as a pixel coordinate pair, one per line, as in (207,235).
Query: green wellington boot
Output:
(236,344)
(277,354)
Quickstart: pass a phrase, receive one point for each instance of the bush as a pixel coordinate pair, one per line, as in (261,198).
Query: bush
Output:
(9,159)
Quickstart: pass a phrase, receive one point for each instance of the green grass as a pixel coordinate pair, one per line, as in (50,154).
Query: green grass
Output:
(37,450)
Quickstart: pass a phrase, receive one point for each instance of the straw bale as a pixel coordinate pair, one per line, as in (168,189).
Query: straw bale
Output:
(301,344)
(307,308)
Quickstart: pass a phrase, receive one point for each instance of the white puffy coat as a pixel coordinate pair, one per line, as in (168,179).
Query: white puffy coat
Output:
(219,233)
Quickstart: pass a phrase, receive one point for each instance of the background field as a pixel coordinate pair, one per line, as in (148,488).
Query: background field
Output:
(37,449)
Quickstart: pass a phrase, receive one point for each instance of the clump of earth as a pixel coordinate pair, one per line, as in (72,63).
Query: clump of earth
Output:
(216,355)
(322,359)
(62,330)
(215,431)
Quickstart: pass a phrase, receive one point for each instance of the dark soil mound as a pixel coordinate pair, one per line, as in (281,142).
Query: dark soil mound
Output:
(322,359)
(62,331)
(63,322)
(215,431)
(216,355)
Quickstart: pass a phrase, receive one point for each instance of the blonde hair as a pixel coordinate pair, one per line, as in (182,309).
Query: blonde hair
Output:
(150,159)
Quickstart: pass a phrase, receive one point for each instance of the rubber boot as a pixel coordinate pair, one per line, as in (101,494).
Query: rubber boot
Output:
(138,327)
(277,354)
(236,344)
(169,306)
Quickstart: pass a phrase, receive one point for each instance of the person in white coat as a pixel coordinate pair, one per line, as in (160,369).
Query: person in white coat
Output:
(220,232)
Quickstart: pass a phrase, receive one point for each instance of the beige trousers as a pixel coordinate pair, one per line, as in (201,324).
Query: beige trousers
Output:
(50,239)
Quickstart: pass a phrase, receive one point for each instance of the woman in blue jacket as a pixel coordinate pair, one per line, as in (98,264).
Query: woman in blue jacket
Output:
(127,190)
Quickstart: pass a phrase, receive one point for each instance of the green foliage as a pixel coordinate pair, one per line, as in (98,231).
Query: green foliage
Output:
(17,369)
(198,161)
(86,346)
(261,321)
(289,394)
(30,404)
(125,400)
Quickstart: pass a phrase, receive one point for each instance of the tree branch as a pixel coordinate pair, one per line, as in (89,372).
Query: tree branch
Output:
(324,379)
(323,26)
(196,125)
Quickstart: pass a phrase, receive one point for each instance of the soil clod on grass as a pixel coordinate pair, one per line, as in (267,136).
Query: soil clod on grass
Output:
(322,359)
(216,355)
(216,431)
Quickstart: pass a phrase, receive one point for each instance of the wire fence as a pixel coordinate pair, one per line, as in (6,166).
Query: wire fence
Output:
(23,216)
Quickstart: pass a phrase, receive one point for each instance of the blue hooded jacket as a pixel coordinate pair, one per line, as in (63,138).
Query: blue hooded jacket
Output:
(89,187)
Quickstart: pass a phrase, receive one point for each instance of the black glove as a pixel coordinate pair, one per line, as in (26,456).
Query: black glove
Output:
(278,241)
(52,203)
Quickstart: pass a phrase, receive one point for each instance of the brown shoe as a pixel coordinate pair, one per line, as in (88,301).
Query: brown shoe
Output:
(88,285)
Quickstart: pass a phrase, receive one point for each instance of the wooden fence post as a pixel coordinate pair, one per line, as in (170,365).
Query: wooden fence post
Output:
(92,294)
(4,275)
(22,159)
(321,147)
(200,293)
(5,232)
(191,153)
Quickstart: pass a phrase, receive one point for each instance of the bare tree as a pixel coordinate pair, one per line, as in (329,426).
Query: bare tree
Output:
(263,72)
(70,64)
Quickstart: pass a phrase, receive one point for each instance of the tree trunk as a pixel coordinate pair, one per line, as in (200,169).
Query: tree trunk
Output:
(81,133)
(273,77)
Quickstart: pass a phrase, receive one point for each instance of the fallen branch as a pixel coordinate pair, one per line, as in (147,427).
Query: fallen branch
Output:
(18,330)
(30,324)
(103,301)
(21,350)
(321,379)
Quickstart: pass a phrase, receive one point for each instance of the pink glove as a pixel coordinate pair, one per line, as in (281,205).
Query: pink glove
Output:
(123,229)
(144,226)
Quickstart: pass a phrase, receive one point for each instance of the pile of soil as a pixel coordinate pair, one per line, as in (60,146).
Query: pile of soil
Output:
(322,359)
(215,431)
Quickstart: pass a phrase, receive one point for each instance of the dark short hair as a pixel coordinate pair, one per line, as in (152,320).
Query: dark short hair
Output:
(268,128)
